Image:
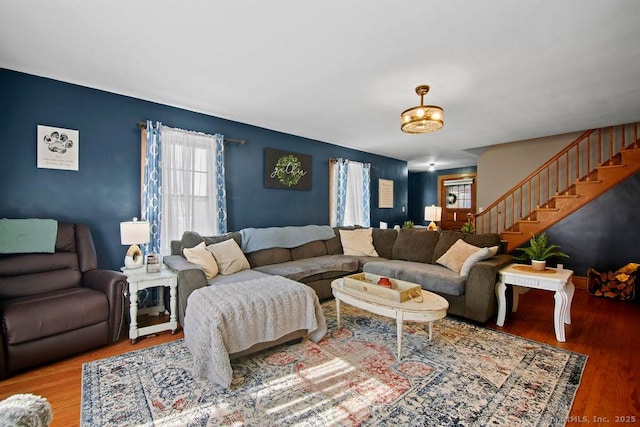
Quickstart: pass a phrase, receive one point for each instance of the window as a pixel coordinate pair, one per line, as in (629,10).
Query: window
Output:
(349,193)
(189,174)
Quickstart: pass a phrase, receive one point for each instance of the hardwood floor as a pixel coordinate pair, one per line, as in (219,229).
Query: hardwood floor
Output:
(606,331)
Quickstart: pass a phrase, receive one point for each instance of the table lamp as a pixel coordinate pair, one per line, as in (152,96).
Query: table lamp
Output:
(134,233)
(432,213)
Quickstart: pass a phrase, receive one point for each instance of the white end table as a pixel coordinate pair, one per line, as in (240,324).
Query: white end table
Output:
(550,280)
(138,280)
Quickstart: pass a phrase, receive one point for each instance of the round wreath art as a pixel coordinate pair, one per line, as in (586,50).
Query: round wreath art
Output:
(287,169)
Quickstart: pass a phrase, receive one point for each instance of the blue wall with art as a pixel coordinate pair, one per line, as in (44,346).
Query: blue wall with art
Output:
(106,188)
(423,190)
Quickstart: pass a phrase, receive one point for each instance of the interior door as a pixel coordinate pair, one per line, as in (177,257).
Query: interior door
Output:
(457,196)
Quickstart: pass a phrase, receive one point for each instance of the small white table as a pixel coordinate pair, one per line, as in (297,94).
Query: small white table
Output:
(432,307)
(551,279)
(138,280)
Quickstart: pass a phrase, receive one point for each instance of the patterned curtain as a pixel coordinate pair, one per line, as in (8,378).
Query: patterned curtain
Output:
(221,191)
(152,187)
(338,191)
(366,194)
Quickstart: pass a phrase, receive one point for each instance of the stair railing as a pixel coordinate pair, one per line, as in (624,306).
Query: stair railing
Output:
(556,178)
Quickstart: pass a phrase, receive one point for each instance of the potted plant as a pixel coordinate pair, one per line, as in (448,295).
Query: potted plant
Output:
(408,224)
(468,227)
(539,251)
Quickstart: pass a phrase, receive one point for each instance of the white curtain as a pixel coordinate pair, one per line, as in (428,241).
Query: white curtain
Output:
(190,184)
(349,193)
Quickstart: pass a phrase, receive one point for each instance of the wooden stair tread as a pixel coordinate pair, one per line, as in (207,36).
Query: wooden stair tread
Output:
(547,209)
(622,165)
(592,181)
(566,196)
(529,221)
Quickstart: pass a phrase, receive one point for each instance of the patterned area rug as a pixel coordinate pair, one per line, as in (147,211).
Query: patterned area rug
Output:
(468,375)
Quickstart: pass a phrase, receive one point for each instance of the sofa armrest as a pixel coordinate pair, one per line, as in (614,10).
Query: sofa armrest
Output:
(190,278)
(113,284)
(480,295)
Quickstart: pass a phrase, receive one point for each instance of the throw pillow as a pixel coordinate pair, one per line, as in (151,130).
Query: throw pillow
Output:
(200,256)
(229,257)
(357,242)
(483,253)
(457,255)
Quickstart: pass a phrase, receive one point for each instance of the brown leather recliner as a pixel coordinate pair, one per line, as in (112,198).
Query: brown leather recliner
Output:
(55,305)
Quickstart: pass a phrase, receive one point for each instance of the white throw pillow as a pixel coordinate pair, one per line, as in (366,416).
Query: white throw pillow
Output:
(483,253)
(457,255)
(358,242)
(199,255)
(229,257)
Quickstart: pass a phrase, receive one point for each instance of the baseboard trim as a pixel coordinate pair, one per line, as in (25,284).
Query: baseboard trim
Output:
(579,282)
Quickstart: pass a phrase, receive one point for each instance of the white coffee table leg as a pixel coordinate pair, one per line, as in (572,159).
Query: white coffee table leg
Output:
(559,313)
(430,330)
(399,320)
(338,312)
(501,288)
(570,289)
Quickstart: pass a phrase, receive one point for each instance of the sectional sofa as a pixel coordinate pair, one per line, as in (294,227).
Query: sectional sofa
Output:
(406,254)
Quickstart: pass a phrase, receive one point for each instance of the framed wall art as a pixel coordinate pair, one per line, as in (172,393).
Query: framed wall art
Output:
(385,193)
(57,148)
(286,170)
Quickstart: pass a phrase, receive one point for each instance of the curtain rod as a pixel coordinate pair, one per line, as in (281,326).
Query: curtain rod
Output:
(143,125)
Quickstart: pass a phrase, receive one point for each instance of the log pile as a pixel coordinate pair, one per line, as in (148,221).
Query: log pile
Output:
(620,284)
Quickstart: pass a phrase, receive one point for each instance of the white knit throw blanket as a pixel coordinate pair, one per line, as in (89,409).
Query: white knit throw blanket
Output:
(228,318)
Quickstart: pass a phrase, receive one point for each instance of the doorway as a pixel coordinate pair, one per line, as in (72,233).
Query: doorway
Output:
(457,196)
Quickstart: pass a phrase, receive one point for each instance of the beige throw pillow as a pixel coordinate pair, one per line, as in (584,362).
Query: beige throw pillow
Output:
(457,254)
(229,257)
(483,253)
(358,242)
(200,256)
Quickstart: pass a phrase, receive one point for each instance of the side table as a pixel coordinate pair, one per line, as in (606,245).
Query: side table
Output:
(138,280)
(550,280)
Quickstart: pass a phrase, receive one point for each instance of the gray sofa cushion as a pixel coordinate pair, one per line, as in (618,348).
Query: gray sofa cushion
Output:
(449,237)
(240,276)
(299,269)
(414,245)
(383,240)
(268,256)
(431,277)
(191,239)
(309,250)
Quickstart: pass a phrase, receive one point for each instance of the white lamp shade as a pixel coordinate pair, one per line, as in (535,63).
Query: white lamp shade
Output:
(432,213)
(134,232)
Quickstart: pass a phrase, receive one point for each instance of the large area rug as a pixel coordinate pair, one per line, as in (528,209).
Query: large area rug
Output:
(468,376)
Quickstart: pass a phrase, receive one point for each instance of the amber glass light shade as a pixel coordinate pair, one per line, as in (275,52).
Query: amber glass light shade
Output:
(422,118)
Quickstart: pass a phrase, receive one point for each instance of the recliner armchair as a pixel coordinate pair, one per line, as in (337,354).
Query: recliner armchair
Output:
(57,304)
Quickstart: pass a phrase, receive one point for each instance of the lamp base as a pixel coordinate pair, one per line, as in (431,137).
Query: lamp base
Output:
(133,259)
(432,226)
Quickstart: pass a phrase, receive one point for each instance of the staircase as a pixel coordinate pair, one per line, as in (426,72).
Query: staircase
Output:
(596,161)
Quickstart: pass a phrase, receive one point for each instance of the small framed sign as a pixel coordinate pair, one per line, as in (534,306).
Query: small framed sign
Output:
(287,170)
(385,193)
(57,148)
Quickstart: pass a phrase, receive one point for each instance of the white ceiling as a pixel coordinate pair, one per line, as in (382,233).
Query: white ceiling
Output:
(343,71)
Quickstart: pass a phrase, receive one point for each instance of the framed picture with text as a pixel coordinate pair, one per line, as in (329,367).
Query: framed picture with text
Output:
(286,170)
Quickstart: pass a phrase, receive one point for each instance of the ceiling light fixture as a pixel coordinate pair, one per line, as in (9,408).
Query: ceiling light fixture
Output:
(422,118)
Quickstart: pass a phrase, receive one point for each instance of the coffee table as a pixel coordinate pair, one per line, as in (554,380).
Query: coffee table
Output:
(432,307)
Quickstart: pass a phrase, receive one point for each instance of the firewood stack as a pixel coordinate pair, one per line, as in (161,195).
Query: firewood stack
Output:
(620,284)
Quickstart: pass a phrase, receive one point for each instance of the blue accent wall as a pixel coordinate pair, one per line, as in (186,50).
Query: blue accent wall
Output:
(106,189)
(423,190)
